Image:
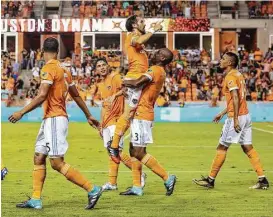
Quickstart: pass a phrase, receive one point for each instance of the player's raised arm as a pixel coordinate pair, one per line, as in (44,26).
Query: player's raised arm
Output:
(76,97)
(37,101)
(142,81)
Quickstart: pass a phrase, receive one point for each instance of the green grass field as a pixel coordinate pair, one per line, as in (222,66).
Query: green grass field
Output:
(184,149)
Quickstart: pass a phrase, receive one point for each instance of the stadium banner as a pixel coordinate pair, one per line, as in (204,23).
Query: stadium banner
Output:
(100,25)
(260,112)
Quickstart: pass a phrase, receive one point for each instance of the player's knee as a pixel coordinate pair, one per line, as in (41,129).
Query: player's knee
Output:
(140,153)
(246,148)
(56,165)
(222,147)
(39,159)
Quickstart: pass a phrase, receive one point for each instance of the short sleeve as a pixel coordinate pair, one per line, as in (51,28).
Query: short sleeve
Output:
(231,83)
(47,75)
(150,74)
(117,83)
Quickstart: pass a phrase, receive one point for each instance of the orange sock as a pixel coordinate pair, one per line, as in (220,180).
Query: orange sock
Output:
(126,160)
(136,171)
(255,161)
(149,161)
(217,163)
(122,126)
(75,177)
(38,176)
(113,172)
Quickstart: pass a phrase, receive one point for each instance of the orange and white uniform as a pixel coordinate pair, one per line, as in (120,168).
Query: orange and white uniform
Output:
(141,125)
(138,65)
(51,139)
(234,80)
(110,111)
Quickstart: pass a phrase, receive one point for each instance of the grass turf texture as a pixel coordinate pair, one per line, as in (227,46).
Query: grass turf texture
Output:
(184,149)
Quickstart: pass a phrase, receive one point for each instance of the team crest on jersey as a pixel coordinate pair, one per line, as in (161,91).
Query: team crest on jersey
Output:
(44,75)
(109,87)
(230,83)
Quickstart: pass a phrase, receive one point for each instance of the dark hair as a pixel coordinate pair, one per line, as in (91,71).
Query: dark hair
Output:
(51,45)
(234,57)
(100,59)
(129,23)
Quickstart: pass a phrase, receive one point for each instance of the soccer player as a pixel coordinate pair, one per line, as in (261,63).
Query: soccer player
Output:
(4,170)
(138,65)
(110,90)
(51,139)
(141,125)
(237,127)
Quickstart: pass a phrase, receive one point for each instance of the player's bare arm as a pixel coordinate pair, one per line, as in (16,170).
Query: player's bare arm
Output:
(142,81)
(37,101)
(235,97)
(76,97)
(219,116)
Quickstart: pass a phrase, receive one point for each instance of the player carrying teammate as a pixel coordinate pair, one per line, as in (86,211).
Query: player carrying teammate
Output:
(138,65)
(51,140)
(141,125)
(237,127)
(110,90)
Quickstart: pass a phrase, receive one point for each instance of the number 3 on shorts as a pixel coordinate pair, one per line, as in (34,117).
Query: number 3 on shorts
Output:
(136,137)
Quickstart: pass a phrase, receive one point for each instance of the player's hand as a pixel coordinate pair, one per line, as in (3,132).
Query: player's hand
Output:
(93,122)
(217,118)
(110,99)
(158,26)
(16,116)
(237,127)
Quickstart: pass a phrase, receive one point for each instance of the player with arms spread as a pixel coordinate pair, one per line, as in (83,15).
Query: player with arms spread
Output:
(237,127)
(138,65)
(110,90)
(51,140)
(141,125)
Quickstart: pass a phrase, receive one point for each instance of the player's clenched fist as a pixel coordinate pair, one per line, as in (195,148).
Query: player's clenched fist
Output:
(16,116)
(158,26)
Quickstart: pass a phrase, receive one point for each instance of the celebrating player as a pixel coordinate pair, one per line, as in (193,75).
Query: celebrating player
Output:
(237,127)
(110,90)
(138,65)
(51,140)
(141,125)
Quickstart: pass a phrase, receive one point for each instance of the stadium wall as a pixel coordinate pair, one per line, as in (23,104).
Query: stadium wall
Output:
(192,112)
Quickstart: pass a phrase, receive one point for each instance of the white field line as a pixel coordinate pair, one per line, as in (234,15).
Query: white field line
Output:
(262,130)
(128,171)
(270,125)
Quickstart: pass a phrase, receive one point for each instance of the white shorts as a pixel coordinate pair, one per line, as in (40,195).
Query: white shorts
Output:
(230,136)
(133,96)
(108,134)
(141,132)
(51,139)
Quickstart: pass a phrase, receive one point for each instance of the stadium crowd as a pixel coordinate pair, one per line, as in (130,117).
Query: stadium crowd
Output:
(17,9)
(260,9)
(192,76)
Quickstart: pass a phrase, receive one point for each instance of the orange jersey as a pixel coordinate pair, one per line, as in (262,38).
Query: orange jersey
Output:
(137,57)
(150,93)
(107,88)
(60,80)
(235,80)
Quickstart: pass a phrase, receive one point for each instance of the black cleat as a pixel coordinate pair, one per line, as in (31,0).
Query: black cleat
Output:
(261,184)
(4,172)
(93,198)
(114,154)
(136,191)
(204,182)
(169,185)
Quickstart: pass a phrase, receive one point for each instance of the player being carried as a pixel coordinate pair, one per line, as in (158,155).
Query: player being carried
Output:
(110,90)
(237,127)
(51,140)
(141,125)
(138,65)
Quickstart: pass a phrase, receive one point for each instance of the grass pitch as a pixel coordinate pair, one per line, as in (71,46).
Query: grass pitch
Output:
(184,149)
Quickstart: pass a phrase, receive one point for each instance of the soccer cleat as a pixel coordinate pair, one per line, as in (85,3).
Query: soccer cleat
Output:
(143,179)
(204,182)
(169,185)
(261,184)
(93,197)
(4,172)
(30,203)
(109,187)
(114,154)
(136,191)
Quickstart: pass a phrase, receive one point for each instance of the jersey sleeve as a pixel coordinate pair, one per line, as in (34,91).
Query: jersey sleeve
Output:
(47,75)
(117,83)
(231,83)
(150,74)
